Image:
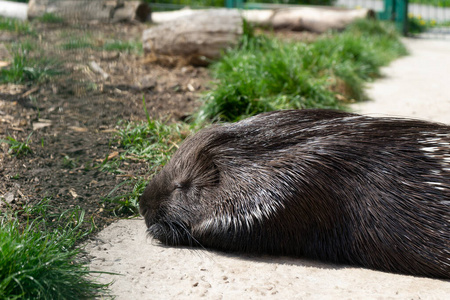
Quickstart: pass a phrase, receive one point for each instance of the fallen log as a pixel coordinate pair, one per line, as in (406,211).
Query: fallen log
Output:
(314,19)
(196,38)
(91,10)
(310,18)
(13,10)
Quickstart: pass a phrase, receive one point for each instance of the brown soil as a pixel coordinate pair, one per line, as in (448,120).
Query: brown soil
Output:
(73,116)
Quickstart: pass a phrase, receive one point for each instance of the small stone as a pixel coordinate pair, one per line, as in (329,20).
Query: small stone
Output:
(9,197)
(147,83)
(73,193)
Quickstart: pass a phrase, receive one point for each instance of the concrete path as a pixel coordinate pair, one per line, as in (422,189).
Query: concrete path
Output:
(150,271)
(414,86)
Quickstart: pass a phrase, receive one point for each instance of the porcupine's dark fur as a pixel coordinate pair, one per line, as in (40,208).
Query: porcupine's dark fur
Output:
(322,184)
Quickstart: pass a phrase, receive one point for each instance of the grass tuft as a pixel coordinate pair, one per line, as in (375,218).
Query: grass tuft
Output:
(153,142)
(69,163)
(123,46)
(126,205)
(89,42)
(268,74)
(51,18)
(38,259)
(78,43)
(15,25)
(24,68)
(17,148)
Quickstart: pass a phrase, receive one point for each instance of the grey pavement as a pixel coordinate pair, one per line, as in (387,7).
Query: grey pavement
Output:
(417,85)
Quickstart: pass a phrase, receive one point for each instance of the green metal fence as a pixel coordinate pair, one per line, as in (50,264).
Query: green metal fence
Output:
(423,18)
(396,11)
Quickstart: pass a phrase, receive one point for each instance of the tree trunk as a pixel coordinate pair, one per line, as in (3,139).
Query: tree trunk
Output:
(196,38)
(91,10)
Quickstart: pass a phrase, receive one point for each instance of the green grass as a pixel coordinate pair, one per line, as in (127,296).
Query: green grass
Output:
(50,18)
(153,142)
(25,68)
(17,148)
(418,25)
(69,163)
(78,43)
(110,166)
(88,42)
(14,25)
(127,204)
(123,46)
(443,24)
(268,74)
(38,258)
(438,3)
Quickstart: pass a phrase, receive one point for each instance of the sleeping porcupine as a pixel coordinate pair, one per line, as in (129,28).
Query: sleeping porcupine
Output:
(322,184)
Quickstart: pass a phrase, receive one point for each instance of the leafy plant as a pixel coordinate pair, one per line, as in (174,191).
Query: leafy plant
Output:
(418,25)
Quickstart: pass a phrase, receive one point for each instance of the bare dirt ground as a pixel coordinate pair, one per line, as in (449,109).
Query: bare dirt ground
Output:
(151,271)
(73,116)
